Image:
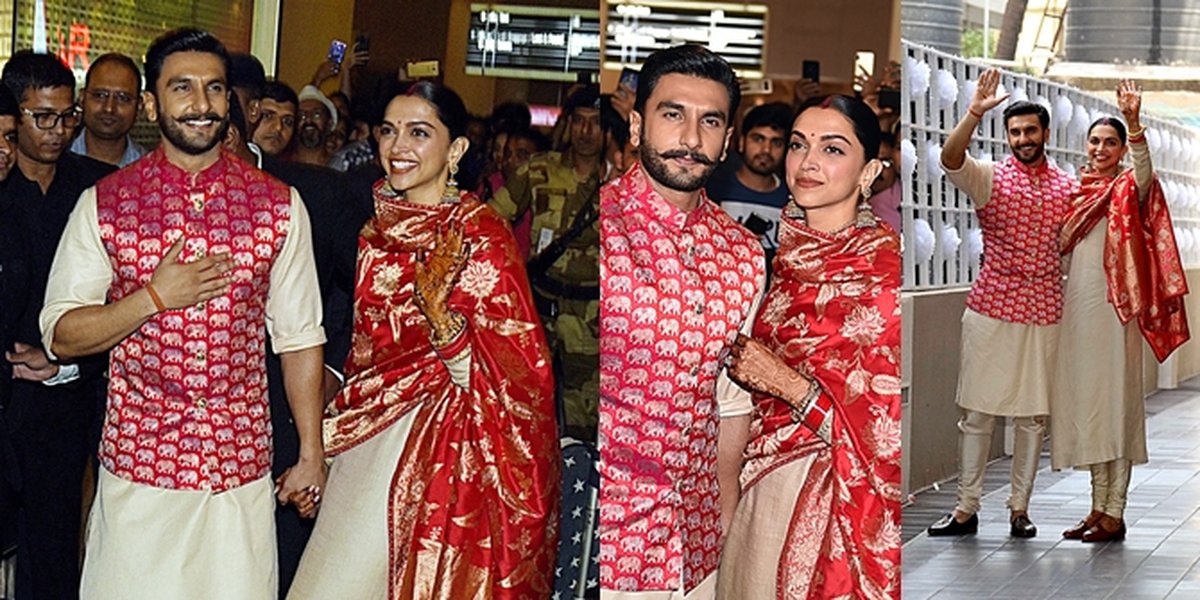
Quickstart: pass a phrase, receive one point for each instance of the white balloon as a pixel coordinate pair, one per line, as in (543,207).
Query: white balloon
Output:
(1018,94)
(908,159)
(933,160)
(917,74)
(1063,109)
(945,89)
(923,235)
(974,243)
(949,241)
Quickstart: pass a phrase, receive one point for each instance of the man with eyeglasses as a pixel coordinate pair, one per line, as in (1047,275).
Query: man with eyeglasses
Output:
(316,118)
(50,418)
(887,191)
(111,102)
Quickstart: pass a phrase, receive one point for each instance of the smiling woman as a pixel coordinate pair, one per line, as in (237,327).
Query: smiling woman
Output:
(444,434)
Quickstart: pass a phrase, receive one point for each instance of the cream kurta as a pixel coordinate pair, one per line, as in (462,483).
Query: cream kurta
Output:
(1099,413)
(1004,367)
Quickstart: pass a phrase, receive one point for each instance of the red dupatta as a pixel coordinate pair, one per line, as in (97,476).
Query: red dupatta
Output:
(1141,260)
(833,312)
(474,500)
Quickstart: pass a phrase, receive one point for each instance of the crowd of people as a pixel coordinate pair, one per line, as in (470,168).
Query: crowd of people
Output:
(1035,347)
(319,346)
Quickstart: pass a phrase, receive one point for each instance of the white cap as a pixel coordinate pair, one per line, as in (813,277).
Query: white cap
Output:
(311,92)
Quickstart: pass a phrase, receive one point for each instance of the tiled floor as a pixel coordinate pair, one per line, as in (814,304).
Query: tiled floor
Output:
(1160,557)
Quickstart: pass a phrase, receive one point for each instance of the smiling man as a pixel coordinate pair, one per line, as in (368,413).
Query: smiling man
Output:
(679,278)
(50,417)
(182,264)
(111,102)
(1010,327)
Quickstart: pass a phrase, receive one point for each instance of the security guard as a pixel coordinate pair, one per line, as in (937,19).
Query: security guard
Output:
(561,189)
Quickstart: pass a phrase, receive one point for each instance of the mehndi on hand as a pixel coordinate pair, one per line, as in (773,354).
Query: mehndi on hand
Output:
(437,271)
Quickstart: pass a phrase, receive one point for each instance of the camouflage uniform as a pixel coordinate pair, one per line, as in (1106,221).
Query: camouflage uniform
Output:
(568,293)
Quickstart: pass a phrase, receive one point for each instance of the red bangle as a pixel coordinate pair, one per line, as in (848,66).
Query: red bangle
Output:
(158,303)
(978,116)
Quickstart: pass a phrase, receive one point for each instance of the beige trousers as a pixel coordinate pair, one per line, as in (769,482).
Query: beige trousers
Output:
(975,440)
(1110,486)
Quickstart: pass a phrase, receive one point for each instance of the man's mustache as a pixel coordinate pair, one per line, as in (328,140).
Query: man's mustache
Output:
(682,153)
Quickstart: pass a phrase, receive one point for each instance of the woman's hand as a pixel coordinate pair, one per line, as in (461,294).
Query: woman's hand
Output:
(754,366)
(1129,100)
(436,273)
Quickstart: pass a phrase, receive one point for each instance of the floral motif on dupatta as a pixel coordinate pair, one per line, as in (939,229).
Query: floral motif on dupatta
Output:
(833,312)
(474,501)
(1141,260)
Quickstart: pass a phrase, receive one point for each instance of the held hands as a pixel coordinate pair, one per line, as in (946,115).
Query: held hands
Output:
(181,284)
(1129,100)
(436,273)
(30,363)
(985,97)
(302,485)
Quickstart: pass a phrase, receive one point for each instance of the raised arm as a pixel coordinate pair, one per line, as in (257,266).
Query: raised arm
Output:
(954,151)
(1129,100)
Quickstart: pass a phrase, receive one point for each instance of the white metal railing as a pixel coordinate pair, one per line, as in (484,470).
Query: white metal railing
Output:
(943,244)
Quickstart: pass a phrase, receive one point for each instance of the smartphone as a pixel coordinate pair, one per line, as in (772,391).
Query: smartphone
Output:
(422,69)
(629,77)
(864,64)
(337,52)
(362,42)
(811,70)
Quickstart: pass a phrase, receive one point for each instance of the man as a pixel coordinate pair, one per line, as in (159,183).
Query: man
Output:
(111,103)
(14,290)
(53,405)
(277,119)
(1009,329)
(247,78)
(559,190)
(755,193)
(181,264)
(619,154)
(887,192)
(315,119)
(680,278)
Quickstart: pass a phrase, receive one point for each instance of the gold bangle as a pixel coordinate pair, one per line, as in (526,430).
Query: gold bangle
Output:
(1140,132)
(158,303)
(805,405)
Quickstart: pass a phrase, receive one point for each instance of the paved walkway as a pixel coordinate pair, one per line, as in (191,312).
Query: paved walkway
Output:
(1160,557)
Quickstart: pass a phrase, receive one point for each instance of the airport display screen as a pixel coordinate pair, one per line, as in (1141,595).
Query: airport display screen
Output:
(533,42)
(736,31)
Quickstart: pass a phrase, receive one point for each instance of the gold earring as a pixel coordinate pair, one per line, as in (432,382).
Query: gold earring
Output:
(865,216)
(451,193)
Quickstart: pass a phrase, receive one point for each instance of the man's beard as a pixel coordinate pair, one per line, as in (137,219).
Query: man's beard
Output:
(178,136)
(751,163)
(656,166)
(1041,151)
(310,137)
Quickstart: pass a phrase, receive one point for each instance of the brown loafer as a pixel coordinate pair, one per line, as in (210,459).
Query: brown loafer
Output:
(1076,532)
(1100,533)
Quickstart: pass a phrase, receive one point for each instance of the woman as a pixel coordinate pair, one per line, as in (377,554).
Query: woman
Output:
(1123,258)
(445,479)
(819,515)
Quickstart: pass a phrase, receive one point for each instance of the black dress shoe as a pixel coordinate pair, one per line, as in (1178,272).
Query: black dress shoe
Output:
(1022,527)
(947,526)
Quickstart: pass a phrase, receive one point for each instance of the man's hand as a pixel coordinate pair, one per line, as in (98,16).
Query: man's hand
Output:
(805,89)
(623,100)
(985,97)
(325,70)
(303,485)
(183,284)
(30,363)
